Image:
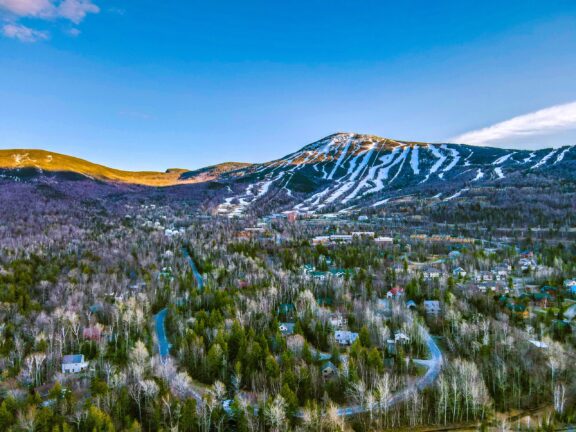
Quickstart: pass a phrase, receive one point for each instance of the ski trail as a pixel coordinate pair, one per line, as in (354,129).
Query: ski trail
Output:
(479,175)
(343,155)
(466,161)
(455,158)
(379,203)
(503,159)
(363,164)
(544,160)
(388,162)
(529,158)
(457,194)
(414,160)
(405,153)
(438,155)
(369,177)
(561,155)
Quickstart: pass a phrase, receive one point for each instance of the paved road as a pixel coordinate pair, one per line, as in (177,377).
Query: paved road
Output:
(434,365)
(159,324)
(197,275)
(160,317)
(160,327)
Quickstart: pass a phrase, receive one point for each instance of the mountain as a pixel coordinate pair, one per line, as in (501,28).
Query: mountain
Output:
(348,170)
(341,172)
(25,163)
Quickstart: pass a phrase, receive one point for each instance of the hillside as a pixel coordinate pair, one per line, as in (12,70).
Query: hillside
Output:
(54,162)
(348,170)
(341,172)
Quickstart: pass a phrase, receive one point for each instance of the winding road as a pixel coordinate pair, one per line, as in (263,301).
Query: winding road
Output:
(433,365)
(160,317)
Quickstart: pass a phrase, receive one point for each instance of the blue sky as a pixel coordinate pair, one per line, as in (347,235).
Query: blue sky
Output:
(150,85)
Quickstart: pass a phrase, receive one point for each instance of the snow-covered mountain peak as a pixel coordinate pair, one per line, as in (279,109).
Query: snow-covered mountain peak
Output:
(356,170)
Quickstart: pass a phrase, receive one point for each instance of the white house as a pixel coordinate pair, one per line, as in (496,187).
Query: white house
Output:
(337,320)
(400,337)
(363,234)
(459,272)
(501,272)
(344,238)
(74,363)
(345,337)
(383,240)
(431,273)
(483,276)
(526,264)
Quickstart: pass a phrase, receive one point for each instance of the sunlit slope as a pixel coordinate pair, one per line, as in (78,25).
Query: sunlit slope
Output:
(55,162)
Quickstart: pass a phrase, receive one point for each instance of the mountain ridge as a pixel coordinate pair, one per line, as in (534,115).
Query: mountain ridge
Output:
(338,172)
(15,159)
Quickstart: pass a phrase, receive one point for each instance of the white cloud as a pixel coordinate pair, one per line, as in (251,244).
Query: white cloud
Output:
(76,10)
(72,10)
(23,33)
(546,121)
(29,8)
(74,32)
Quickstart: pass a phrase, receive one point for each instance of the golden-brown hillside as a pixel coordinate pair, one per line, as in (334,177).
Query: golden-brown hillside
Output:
(50,161)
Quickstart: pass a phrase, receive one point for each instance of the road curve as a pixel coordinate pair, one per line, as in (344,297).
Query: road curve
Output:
(434,365)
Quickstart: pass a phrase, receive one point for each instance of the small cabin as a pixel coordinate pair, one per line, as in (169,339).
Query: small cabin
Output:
(73,363)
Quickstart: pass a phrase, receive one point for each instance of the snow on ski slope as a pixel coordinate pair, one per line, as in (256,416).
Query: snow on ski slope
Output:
(383,172)
(367,178)
(414,160)
(379,203)
(503,159)
(455,158)
(544,159)
(403,157)
(479,175)
(457,194)
(343,155)
(438,155)
(350,169)
(363,164)
(529,158)
(561,155)
(339,192)
(467,160)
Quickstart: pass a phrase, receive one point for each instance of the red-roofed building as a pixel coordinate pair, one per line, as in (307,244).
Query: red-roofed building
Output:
(395,292)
